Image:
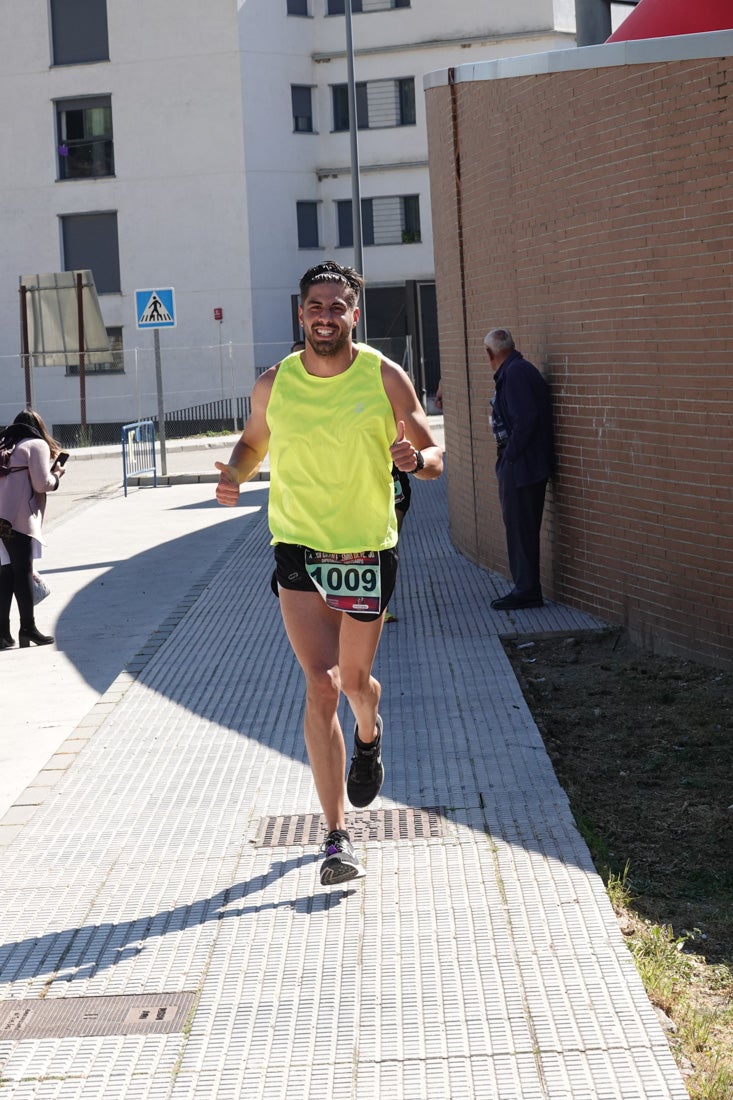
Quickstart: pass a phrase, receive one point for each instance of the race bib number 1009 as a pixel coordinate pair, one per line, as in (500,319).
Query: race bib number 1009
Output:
(347,582)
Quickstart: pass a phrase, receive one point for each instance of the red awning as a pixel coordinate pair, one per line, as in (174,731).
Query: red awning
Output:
(662,18)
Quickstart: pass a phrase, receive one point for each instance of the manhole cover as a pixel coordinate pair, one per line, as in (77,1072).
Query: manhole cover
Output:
(64,1017)
(401,823)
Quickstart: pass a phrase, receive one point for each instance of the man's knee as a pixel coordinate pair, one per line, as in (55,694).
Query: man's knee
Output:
(323,687)
(356,682)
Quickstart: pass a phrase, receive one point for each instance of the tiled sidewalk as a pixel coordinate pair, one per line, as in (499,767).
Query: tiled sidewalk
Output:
(164,897)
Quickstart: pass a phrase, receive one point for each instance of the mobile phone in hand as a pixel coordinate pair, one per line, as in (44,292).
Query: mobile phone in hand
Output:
(61,458)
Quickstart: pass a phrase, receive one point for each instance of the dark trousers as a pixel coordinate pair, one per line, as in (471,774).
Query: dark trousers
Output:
(16,580)
(521,509)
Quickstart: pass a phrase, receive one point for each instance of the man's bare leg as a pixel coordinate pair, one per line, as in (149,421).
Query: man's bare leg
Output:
(359,641)
(357,650)
(313,630)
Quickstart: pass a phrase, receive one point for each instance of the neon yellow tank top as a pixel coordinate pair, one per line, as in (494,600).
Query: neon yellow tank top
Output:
(330,468)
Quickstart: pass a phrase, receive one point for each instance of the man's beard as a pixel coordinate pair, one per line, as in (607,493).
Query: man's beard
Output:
(331,347)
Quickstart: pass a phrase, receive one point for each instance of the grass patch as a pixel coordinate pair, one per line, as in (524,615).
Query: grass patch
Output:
(642,745)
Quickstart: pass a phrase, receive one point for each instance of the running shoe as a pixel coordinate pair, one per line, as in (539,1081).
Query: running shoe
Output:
(366,773)
(339,861)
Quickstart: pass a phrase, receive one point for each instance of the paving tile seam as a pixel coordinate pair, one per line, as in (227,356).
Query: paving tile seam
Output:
(293,1059)
(251,1079)
(484,1079)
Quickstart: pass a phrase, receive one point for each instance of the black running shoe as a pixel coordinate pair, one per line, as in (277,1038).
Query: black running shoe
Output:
(366,774)
(339,862)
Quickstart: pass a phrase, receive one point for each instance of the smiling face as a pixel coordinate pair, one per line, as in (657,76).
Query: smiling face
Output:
(328,317)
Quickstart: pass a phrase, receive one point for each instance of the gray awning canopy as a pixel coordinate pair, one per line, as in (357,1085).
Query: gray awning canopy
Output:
(53,319)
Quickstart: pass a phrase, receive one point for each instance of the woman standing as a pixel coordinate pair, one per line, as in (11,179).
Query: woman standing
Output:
(29,472)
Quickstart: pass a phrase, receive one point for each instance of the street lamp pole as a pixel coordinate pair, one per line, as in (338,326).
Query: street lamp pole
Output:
(355,182)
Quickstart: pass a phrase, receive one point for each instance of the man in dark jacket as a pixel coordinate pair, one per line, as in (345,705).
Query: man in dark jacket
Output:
(521,419)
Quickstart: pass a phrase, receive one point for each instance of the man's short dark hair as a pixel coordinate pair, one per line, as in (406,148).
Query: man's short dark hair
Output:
(331,272)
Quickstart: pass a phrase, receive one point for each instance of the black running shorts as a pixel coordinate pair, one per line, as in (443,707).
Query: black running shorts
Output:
(358,584)
(402,491)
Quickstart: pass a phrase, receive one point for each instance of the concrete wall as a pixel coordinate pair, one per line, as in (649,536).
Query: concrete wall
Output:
(594,218)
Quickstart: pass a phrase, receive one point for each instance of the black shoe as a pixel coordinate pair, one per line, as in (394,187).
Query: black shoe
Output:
(6,642)
(339,862)
(513,601)
(366,774)
(28,634)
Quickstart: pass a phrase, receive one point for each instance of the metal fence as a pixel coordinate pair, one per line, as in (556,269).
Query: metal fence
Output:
(211,418)
(138,451)
(205,389)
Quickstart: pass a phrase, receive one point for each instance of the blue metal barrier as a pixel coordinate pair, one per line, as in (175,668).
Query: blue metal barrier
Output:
(138,451)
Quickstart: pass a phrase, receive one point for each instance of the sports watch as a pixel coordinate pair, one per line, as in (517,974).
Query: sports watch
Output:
(419,462)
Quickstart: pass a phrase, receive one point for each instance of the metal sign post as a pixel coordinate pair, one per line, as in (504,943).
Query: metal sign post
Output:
(26,345)
(156,309)
(161,403)
(82,356)
(357,229)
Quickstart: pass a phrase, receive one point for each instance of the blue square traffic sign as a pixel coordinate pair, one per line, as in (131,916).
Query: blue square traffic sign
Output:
(155,308)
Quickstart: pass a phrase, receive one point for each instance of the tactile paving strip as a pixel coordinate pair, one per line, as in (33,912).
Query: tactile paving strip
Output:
(484,964)
(398,823)
(63,1017)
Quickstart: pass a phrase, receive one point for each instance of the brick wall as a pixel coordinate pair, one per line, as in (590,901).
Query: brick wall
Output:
(591,212)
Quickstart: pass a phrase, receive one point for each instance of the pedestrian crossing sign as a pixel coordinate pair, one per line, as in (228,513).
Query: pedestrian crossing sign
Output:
(155,308)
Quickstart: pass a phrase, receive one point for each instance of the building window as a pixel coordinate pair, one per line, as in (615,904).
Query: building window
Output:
(406,101)
(84,130)
(114,365)
(345,227)
(79,31)
(90,241)
(336,7)
(389,219)
(411,219)
(301,97)
(307,224)
(340,99)
(297,7)
(379,104)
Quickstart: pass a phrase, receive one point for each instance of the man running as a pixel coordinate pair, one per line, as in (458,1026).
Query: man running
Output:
(334,418)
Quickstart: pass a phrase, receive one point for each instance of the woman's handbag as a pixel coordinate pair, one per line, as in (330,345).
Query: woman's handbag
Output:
(40,588)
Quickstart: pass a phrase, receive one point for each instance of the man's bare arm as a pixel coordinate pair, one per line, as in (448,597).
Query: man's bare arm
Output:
(251,447)
(415,434)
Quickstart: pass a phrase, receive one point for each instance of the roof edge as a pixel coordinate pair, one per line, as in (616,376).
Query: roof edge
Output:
(682,47)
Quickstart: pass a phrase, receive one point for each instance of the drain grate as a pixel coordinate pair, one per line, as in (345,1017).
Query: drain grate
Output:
(66,1017)
(401,823)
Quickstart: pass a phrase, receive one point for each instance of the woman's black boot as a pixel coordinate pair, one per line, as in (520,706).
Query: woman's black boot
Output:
(6,639)
(28,634)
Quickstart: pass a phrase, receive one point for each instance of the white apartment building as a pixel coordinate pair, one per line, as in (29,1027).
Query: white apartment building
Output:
(204,145)
(299,183)
(124,153)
